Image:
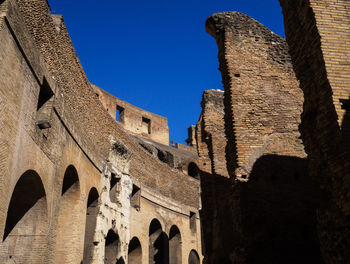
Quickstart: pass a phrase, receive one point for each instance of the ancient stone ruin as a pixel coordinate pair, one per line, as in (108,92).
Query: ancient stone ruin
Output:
(86,177)
(77,185)
(286,197)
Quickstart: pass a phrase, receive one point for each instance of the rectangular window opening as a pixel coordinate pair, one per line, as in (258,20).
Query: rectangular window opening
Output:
(193,226)
(120,114)
(146,125)
(135,197)
(45,94)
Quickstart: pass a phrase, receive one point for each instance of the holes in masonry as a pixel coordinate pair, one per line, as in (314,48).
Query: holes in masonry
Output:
(193,226)
(135,197)
(146,125)
(237,75)
(120,114)
(114,181)
(45,94)
(193,170)
(113,188)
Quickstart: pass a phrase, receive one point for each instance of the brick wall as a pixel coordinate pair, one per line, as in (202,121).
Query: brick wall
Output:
(318,35)
(272,201)
(132,118)
(215,185)
(76,96)
(211,131)
(36,52)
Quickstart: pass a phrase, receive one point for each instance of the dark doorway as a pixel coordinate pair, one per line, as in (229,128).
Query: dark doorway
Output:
(111,247)
(158,244)
(135,251)
(175,252)
(26,228)
(193,258)
(90,224)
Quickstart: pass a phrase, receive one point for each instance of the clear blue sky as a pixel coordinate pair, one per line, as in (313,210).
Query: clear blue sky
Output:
(155,54)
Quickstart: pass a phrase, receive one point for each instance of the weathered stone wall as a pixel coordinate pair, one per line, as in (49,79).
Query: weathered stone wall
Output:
(215,184)
(318,35)
(155,206)
(53,179)
(272,200)
(75,95)
(131,118)
(262,100)
(211,130)
(178,158)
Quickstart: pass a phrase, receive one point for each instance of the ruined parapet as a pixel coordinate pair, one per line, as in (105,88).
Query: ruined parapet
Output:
(178,157)
(216,187)
(211,131)
(191,139)
(265,156)
(262,100)
(135,120)
(318,36)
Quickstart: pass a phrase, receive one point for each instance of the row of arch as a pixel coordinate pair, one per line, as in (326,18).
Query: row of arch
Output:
(165,249)
(26,232)
(25,236)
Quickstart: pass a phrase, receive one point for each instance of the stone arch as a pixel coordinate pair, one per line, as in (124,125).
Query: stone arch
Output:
(25,235)
(111,247)
(120,261)
(193,257)
(158,244)
(175,251)
(68,239)
(90,224)
(135,251)
(193,170)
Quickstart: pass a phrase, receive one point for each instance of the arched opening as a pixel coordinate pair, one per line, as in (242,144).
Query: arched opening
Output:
(90,224)
(175,252)
(193,257)
(111,247)
(135,251)
(158,244)
(121,261)
(193,170)
(68,240)
(26,227)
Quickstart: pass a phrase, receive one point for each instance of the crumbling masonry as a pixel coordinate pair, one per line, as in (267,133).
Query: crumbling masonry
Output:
(287,153)
(77,185)
(88,178)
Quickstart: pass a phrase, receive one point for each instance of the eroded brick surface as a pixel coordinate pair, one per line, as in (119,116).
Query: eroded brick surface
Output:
(318,35)
(69,174)
(271,201)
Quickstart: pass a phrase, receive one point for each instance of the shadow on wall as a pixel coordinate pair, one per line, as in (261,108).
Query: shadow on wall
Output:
(134,251)
(193,257)
(345,126)
(111,247)
(158,244)
(269,219)
(26,223)
(217,218)
(278,208)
